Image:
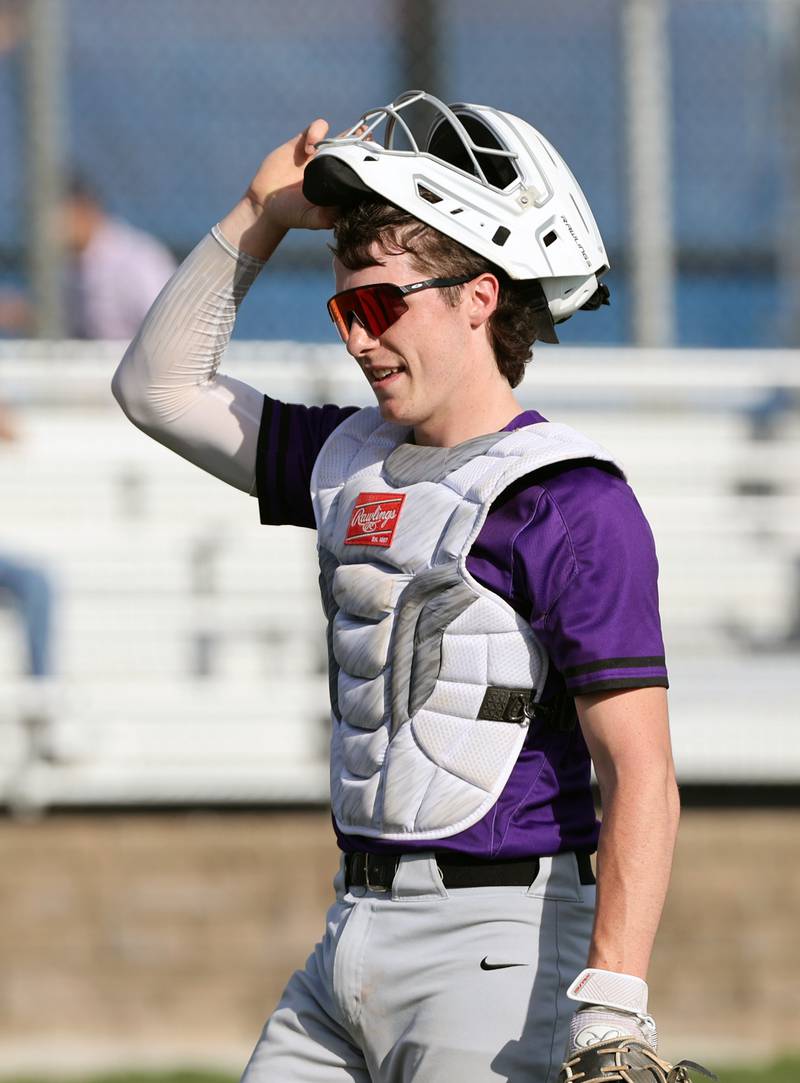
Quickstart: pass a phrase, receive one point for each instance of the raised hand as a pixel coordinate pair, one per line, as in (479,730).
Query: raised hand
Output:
(274,201)
(276,189)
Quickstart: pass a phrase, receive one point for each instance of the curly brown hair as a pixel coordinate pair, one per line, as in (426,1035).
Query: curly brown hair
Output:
(521,315)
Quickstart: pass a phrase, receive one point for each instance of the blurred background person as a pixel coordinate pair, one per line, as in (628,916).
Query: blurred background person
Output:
(113,271)
(27,588)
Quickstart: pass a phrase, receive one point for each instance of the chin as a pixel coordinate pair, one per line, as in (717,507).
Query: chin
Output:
(393,411)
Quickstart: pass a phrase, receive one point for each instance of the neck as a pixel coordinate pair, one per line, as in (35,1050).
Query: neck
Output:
(490,413)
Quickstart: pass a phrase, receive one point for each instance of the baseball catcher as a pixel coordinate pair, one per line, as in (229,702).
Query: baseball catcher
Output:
(490,587)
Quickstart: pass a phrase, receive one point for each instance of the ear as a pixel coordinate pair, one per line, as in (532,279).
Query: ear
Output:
(482,299)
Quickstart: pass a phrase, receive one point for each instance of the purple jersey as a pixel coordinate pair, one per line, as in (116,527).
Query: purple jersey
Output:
(570,549)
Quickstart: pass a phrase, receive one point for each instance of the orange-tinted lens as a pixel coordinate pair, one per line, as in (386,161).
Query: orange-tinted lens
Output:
(376,308)
(338,313)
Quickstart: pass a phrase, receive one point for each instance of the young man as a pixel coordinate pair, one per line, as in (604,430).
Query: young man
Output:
(485,573)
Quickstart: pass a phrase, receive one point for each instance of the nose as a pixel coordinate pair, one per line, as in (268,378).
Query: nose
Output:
(359,340)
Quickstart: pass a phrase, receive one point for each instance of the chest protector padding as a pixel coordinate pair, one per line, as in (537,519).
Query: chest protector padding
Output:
(414,641)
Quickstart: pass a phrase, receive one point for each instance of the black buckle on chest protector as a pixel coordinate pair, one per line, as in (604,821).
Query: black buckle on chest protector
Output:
(517,705)
(508,705)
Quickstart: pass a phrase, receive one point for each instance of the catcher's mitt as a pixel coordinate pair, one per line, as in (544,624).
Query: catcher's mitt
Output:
(625,1060)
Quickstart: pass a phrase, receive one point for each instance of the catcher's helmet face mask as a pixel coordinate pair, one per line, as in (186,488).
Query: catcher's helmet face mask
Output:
(483,177)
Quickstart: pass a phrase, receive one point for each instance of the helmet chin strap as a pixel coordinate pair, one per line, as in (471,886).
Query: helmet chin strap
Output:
(546,331)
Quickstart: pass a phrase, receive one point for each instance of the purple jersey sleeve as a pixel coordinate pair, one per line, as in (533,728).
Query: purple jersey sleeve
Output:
(573,552)
(289,441)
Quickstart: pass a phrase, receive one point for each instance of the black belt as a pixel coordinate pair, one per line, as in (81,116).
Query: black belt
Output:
(376,871)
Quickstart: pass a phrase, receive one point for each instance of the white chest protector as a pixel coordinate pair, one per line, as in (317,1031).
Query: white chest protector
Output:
(433,677)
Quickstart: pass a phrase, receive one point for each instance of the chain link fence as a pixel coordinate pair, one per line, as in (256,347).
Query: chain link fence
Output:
(167,108)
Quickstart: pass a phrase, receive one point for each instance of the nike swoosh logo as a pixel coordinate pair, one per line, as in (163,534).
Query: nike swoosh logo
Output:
(498,966)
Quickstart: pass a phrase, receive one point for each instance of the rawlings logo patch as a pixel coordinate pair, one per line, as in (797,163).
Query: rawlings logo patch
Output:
(374,519)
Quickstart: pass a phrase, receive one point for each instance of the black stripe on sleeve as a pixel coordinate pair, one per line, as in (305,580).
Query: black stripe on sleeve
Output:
(280,461)
(613,683)
(615,663)
(263,488)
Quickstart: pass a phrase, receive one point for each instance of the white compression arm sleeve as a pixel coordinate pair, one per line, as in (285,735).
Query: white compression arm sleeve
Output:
(167,383)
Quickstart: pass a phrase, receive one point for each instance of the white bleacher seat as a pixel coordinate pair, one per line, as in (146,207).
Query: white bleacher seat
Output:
(169,742)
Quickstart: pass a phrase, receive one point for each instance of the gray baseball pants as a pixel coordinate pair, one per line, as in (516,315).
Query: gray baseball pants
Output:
(422,983)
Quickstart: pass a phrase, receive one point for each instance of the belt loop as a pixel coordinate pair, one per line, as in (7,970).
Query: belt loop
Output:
(418,877)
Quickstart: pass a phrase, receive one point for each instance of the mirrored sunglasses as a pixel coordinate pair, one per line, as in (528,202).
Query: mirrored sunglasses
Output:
(378,306)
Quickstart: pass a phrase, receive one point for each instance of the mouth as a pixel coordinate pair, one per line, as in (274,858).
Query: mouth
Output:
(382,377)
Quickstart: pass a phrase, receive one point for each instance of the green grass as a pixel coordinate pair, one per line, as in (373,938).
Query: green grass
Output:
(786,1070)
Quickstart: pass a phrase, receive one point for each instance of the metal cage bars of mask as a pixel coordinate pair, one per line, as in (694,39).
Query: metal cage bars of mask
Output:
(372,119)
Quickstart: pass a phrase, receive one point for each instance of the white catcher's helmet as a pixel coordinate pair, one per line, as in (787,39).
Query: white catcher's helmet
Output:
(484,178)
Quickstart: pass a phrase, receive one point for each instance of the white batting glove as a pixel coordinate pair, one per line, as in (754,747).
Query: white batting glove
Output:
(613,1005)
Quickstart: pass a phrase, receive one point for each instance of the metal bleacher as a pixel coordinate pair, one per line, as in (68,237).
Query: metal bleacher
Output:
(189,640)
